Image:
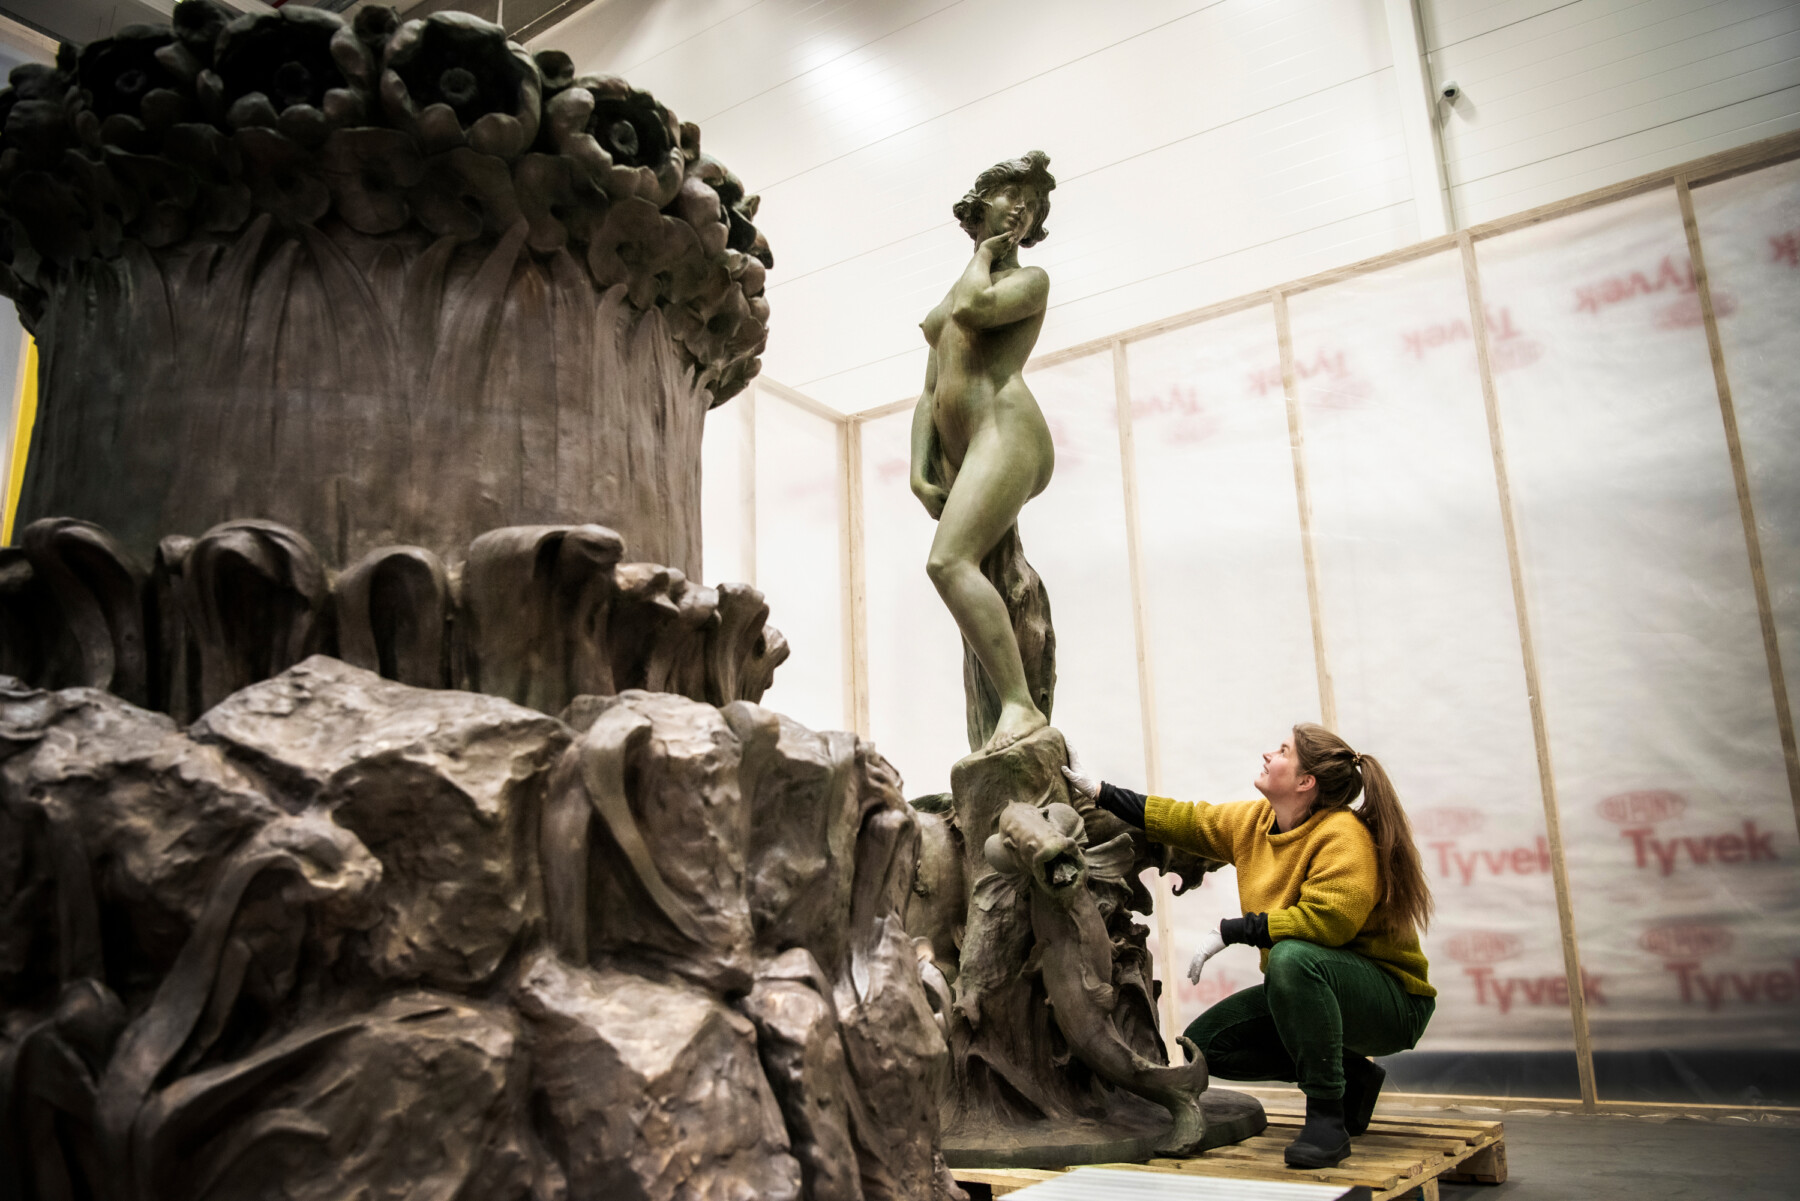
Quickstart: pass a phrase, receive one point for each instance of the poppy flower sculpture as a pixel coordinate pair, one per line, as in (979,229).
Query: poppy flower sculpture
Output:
(382,281)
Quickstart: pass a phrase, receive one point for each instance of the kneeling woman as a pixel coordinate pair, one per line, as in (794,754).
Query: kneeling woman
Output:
(1336,899)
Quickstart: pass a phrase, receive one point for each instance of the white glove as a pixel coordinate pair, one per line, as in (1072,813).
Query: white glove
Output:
(1088,786)
(1210,944)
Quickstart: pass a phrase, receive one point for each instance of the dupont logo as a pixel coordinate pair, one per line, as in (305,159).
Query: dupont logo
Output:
(1332,365)
(1748,844)
(1522,352)
(1685,940)
(1503,992)
(1483,946)
(1506,347)
(1636,808)
(1180,414)
(1784,248)
(1666,275)
(1446,822)
(1215,986)
(1464,866)
(1686,313)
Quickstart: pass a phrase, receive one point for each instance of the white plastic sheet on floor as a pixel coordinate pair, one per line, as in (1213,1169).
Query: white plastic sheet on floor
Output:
(1662,744)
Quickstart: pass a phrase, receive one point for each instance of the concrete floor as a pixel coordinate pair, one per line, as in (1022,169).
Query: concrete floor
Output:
(1565,1157)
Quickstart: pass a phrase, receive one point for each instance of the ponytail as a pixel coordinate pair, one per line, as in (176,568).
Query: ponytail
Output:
(1342,774)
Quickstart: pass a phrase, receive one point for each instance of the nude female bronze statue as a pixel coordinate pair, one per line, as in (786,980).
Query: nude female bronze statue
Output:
(1027,894)
(980,445)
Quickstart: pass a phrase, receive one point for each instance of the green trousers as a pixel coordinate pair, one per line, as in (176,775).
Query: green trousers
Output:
(1315,1003)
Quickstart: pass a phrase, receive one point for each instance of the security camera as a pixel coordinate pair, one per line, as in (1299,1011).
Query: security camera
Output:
(1450,90)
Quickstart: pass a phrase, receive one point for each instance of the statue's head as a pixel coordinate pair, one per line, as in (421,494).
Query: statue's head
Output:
(1017,181)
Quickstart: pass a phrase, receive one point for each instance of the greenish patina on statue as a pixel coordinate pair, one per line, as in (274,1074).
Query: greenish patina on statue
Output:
(980,445)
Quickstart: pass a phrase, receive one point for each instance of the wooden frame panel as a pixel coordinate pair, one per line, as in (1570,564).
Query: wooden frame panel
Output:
(1765,610)
(1565,910)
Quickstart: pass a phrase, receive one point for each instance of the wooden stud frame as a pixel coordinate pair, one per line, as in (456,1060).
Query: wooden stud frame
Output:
(1755,156)
(1290,386)
(856,578)
(1140,622)
(1540,734)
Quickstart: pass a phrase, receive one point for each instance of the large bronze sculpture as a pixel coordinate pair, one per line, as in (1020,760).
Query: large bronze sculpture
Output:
(1022,907)
(370,824)
(381,283)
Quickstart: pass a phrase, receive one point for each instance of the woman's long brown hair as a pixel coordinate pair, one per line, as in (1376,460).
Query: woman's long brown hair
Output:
(1342,774)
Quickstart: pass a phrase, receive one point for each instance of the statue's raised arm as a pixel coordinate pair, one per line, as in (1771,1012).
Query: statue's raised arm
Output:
(980,446)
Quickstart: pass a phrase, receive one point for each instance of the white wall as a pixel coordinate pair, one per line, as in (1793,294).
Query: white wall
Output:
(1560,98)
(1204,149)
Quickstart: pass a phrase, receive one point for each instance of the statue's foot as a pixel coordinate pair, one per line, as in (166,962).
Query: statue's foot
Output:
(1017,722)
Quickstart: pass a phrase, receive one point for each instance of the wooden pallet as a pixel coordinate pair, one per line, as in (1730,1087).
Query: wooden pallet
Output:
(1397,1156)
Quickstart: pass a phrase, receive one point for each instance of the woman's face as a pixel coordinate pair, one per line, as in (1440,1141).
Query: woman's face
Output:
(1003,202)
(1281,775)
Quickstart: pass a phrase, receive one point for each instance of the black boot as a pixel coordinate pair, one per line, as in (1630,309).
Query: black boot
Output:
(1323,1141)
(1362,1084)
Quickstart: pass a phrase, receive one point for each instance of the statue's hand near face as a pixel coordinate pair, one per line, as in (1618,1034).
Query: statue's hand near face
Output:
(1017,224)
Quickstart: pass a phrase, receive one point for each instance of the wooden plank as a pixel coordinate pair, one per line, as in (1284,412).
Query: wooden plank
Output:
(1135,559)
(1765,610)
(1428,1191)
(1486,1166)
(1473,1135)
(1565,913)
(747,481)
(1388,1160)
(856,582)
(1278,1112)
(903,405)
(1290,384)
(1393,1099)
(1140,623)
(1413,1142)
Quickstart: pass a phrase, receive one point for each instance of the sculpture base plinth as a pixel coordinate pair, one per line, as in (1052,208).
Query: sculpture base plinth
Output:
(1231,1117)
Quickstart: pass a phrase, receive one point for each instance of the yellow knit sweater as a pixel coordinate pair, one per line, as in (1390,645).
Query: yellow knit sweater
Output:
(1317,882)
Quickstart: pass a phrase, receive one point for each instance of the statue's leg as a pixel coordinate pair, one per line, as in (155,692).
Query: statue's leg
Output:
(992,486)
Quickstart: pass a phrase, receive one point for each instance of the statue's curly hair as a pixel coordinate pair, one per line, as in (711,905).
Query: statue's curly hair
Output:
(1033,169)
